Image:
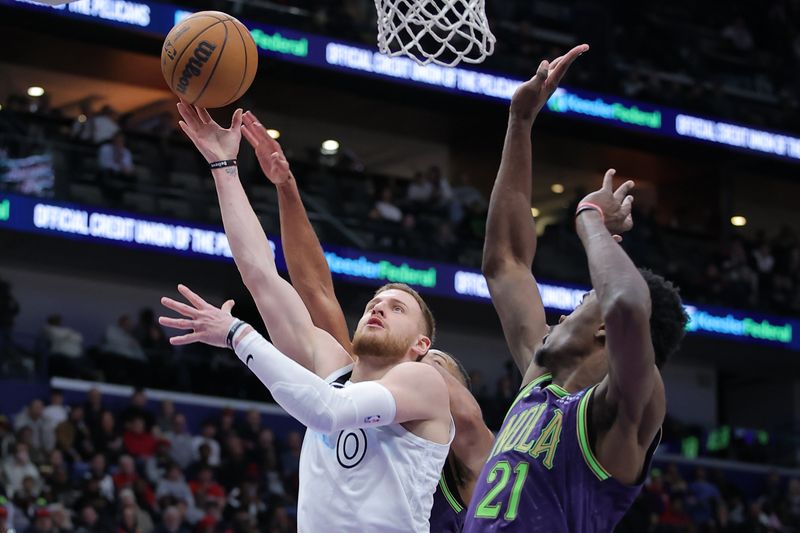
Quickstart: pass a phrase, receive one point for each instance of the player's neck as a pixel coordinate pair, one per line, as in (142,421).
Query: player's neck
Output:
(581,373)
(371,368)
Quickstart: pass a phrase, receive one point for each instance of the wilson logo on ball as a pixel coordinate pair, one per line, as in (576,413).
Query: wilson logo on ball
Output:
(195,65)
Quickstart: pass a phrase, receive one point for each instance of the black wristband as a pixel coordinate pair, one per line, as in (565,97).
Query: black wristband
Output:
(232,332)
(224,163)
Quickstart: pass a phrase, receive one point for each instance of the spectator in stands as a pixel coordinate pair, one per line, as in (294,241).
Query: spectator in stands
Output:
(128,361)
(171,522)
(9,309)
(251,429)
(133,519)
(98,472)
(208,437)
(62,521)
(64,347)
(466,197)
(166,417)
(93,409)
(704,499)
(150,335)
(419,194)
(107,439)
(56,412)
(174,485)
(205,488)
(386,209)
(114,158)
(6,437)
(73,437)
(290,459)
(138,408)
(42,522)
(157,465)
(182,450)
(442,190)
(139,442)
(227,426)
(234,469)
(96,128)
(3,518)
(17,467)
(32,416)
(126,473)
(89,521)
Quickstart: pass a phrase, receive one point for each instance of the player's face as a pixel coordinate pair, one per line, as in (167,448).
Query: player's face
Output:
(574,336)
(390,326)
(445,361)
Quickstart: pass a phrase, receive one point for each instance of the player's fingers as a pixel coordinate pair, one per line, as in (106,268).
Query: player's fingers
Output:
(188,131)
(543,70)
(250,135)
(608,180)
(182,340)
(623,191)
(249,118)
(189,115)
(228,306)
(176,323)
(204,116)
(193,297)
(179,307)
(236,122)
(566,60)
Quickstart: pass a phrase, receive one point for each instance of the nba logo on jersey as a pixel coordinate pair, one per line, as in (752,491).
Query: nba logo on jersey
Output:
(374,419)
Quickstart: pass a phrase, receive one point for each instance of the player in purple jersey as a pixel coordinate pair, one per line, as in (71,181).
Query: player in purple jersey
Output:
(577,441)
(311,277)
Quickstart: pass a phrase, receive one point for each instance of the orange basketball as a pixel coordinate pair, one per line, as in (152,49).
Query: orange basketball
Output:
(209,59)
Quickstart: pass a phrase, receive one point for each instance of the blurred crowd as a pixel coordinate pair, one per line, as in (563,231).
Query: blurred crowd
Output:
(738,63)
(711,502)
(88,468)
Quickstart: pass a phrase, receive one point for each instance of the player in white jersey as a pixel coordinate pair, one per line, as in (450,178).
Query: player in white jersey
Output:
(376,446)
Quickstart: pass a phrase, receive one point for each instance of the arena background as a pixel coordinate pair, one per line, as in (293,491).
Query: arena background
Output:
(697,103)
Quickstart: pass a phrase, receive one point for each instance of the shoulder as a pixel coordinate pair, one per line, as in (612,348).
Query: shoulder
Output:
(419,377)
(416,371)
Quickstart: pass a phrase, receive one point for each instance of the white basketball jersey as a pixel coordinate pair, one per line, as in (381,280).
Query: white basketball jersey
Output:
(379,479)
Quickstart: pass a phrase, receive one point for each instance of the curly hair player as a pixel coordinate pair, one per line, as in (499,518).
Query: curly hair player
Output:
(577,442)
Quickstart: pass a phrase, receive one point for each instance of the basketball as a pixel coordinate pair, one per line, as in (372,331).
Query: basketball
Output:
(209,59)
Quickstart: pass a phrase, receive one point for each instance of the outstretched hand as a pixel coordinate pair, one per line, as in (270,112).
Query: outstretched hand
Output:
(268,150)
(209,324)
(532,95)
(212,140)
(616,205)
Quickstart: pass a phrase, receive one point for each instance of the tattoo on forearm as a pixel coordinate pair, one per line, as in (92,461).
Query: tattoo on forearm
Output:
(231,171)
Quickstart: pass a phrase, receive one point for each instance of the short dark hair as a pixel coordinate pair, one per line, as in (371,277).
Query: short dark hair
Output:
(465,379)
(430,322)
(667,317)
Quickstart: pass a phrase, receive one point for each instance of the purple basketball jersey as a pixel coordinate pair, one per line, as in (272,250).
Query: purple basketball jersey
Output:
(448,512)
(542,476)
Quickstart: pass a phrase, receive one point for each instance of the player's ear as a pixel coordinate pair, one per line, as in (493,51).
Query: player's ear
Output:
(422,346)
(600,334)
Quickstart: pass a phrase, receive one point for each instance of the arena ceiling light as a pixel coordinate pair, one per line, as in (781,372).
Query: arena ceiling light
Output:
(330,147)
(738,221)
(275,134)
(534,212)
(35,91)
(557,188)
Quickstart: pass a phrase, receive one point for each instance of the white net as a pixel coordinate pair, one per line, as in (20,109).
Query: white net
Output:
(445,32)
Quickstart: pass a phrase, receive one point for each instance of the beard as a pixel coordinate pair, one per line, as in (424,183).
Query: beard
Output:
(379,344)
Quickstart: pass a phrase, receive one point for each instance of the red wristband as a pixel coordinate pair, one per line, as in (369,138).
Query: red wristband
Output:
(586,206)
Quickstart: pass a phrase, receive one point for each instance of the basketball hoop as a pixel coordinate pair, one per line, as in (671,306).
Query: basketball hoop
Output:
(445,32)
